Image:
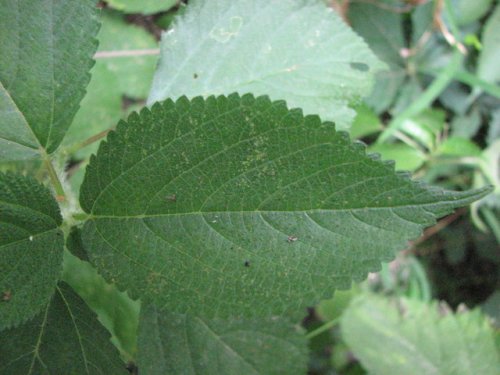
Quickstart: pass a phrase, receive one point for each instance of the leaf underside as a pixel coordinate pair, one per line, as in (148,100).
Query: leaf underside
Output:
(173,344)
(239,206)
(298,51)
(65,338)
(31,248)
(47,49)
(412,337)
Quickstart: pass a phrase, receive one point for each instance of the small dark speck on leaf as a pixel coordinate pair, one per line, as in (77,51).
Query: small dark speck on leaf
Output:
(195,75)
(6,296)
(247,263)
(291,239)
(362,67)
(172,198)
(132,368)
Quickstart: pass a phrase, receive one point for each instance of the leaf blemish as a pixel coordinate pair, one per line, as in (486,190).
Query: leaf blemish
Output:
(6,296)
(171,198)
(362,67)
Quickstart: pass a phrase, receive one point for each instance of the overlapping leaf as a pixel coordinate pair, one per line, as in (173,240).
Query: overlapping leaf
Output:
(31,247)
(295,50)
(174,344)
(239,206)
(112,78)
(65,338)
(47,49)
(412,337)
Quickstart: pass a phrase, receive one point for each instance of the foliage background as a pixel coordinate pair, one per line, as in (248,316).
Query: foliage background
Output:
(442,109)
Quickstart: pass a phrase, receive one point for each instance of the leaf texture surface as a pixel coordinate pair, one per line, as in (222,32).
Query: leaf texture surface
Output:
(47,49)
(173,344)
(296,50)
(413,337)
(239,206)
(65,338)
(31,247)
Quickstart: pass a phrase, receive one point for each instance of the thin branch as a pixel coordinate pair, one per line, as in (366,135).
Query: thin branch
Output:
(127,53)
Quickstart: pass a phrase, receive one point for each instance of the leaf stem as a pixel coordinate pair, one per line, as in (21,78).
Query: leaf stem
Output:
(323,328)
(428,96)
(54,179)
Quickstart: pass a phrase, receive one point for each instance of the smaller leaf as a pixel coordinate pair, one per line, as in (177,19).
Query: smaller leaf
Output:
(407,158)
(365,123)
(174,344)
(467,11)
(65,338)
(458,147)
(31,247)
(466,126)
(490,54)
(412,337)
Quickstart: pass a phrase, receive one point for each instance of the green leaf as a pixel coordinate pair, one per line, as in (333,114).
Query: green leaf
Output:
(47,49)
(412,337)
(466,126)
(365,123)
(144,6)
(174,344)
(490,53)
(112,78)
(299,51)
(466,11)
(407,158)
(65,338)
(458,147)
(383,32)
(238,206)
(115,310)
(31,247)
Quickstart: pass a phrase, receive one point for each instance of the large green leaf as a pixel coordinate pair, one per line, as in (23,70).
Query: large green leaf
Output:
(295,50)
(412,337)
(238,206)
(65,338)
(47,49)
(31,248)
(179,344)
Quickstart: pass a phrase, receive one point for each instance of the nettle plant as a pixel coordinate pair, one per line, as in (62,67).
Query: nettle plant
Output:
(225,212)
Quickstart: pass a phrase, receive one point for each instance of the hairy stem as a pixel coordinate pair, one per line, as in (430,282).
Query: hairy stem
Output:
(54,179)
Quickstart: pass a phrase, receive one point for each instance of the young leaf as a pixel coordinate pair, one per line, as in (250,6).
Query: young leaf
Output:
(65,338)
(47,49)
(412,337)
(299,51)
(31,247)
(238,206)
(174,344)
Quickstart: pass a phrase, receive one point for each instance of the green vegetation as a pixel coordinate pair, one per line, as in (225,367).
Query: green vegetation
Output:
(263,190)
